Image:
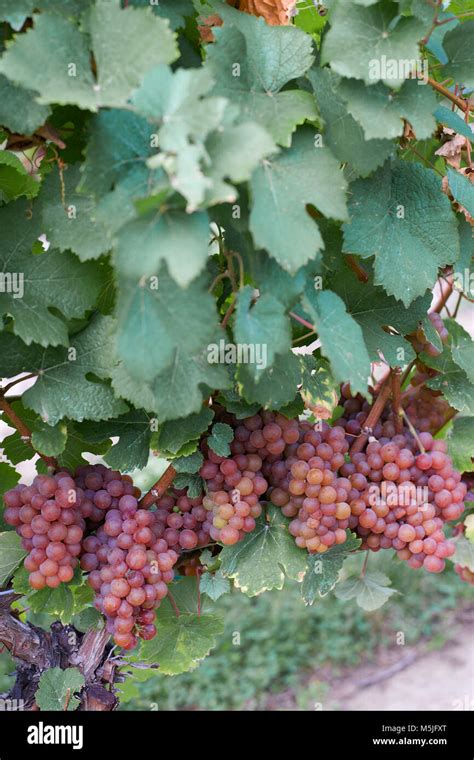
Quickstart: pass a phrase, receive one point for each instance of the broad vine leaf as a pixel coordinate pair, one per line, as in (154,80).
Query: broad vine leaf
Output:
(462,189)
(342,339)
(281,188)
(251,62)
(176,11)
(462,348)
(190,464)
(401,217)
(14,179)
(264,324)
(193,484)
(265,557)
(322,570)
(72,227)
(370,592)
(172,436)
(214,585)
(452,381)
(377,35)
(271,278)
(50,440)
(381,111)
(180,239)
(464,554)
(319,389)
(461,443)
(45,281)
(57,689)
(185,639)
(276,385)
(220,438)
(341,132)
(458,46)
(18,110)
(11,554)
(62,388)
(133,430)
(62,74)
(77,445)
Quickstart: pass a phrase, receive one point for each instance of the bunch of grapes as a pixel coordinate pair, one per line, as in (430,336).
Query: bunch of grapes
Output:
(356,410)
(183,522)
(308,488)
(48,516)
(407,500)
(129,565)
(420,342)
(426,409)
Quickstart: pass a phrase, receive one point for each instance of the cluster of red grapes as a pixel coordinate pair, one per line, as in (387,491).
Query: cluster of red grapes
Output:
(129,565)
(408,499)
(426,409)
(420,342)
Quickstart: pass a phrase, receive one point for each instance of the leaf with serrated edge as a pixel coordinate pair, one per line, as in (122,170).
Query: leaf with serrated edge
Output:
(57,687)
(370,592)
(322,571)
(11,554)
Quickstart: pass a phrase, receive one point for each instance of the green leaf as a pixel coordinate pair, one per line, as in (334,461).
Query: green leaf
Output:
(50,280)
(18,110)
(381,111)
(190,464)
(220,438)
(173,435)
(452,120)
(262,324)
(281,188)
(342,133)
(180,239)
(49,440)
(272,279)
(133,429)
(370,592)
(62,388)
(322,570)
(452,381)
(461,443)
(234,403)
(464,554)
(214,585)
(401,217)
(265,557)
(11,554)
(462,189)
(176,11)
(57,689)
(342,340)
(193,483)
(88,620)
(77,445)
(459,49)
(74,227)
(182,641)
(14,179)
(319,389)
(62,74)
(376,35)
(252,61)
(276,385)
(462,348)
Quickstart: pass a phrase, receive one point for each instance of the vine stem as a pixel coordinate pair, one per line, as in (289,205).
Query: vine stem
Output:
(159,488)
(459,102)
(413,432)
(302,321)
(444,295)
(24,431)
(19,380)
(357,268)
(373,417)
(396,398)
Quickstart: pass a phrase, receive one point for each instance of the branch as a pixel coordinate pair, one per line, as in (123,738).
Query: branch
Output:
(24,431)
(444,295)
(302,321)
(373,417)
(357,268)
(159,489)
(460,102)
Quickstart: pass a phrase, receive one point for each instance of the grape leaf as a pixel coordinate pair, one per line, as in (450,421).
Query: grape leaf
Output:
(452,120)
(322,570)
(342,340)
(176,11)
(62,74)
(50,440)
(57,688)
(180,239)
(133,430)
(265,557)
(14,179)
(458,46)
(381,111)
(219,439)
(252,61)
(62,388)
(461,443)
(462,348)
(77,445)
(174,434)
(190,464)
(193,484)
(264,323)
(154,319)
(400,216)
(370,592)
(74,227)
(462,189)
(464,554)
(319,389)
(342,133)
(271,278)
(11,554)
(376,35)
(276,385)
(48,280)
(18,110)
(185,639)
(281,188)
(452,381)
(214,585)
